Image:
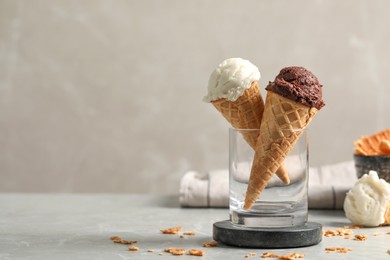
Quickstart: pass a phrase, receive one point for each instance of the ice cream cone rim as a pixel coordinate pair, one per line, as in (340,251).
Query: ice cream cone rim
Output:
(253,83)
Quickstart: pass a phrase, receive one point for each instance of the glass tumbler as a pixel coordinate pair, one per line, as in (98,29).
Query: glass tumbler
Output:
(279,204)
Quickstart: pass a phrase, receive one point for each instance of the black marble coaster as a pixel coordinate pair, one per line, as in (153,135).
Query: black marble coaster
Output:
(287,237)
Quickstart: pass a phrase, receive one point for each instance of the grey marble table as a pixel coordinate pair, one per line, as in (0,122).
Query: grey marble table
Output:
(66,226)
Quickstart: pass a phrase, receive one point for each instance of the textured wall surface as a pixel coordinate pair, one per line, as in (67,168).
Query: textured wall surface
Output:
(105,96)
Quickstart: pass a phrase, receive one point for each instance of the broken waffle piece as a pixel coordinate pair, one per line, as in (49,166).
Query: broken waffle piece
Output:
(374,145)
(210,244)
(196,252)
(173,230)
(175,251)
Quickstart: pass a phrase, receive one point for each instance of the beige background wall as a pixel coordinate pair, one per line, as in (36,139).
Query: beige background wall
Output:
(105,96)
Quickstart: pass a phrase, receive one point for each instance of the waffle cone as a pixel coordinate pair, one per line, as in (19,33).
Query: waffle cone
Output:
(244,113)
(282,125)
(247,113)
(376,144)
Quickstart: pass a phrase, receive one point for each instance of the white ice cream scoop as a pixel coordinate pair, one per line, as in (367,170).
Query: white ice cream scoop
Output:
(230,79)
(368,202)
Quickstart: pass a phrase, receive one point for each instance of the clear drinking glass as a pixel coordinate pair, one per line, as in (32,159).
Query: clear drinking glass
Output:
(279,205)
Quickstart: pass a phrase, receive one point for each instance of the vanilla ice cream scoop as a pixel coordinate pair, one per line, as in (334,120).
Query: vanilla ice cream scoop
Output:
(368,202)
(230,79)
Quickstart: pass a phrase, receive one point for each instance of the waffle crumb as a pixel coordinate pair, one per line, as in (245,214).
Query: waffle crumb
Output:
(338,249)
(150,250)
(189,233)
(115,238)
(344,231)
(291,256)
(269,255)
(133,248)
(178,251)
(173,230)
(297,255)
(347,237)
(119,240)
(160,254)
(196,252)
(250,255)
(344,250)
(329,233)
(175,251)
(286,257)
(128,242)
(388,251)
(210,244)
(338,232)
(361,237)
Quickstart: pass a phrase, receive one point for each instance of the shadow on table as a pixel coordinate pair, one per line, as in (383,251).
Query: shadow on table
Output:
(329,217)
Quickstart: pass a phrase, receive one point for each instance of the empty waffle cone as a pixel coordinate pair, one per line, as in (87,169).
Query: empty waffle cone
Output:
(374,145)
(247,113)
(283,123)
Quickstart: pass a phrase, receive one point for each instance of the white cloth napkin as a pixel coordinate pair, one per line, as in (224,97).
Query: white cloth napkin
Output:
(327,187)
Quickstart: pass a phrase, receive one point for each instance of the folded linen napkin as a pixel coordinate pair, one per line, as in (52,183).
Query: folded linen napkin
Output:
(327,187)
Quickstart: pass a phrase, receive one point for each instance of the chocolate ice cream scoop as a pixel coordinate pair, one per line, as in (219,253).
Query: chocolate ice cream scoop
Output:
(299,84)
